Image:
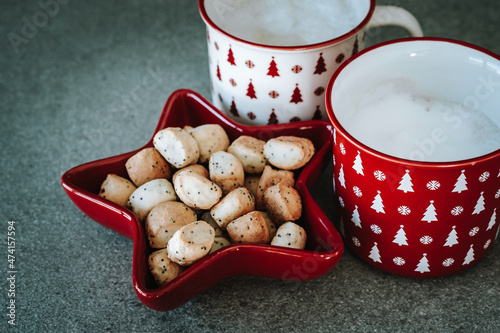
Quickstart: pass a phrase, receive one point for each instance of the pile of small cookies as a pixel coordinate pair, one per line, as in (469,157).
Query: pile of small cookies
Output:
(196,192)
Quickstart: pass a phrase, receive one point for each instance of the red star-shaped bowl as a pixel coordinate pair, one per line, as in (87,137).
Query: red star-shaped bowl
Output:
(184,107)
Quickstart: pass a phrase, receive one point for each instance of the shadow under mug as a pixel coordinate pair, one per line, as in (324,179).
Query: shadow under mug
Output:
(258,84)
(411,217)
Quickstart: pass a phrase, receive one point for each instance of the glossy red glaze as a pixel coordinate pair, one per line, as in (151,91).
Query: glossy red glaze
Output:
(411,218)
(324,247)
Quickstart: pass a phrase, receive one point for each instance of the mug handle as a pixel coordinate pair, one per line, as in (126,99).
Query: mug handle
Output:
(392,15)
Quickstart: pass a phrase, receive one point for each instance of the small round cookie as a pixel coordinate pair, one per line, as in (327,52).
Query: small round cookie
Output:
(146,165)
(271,177)
(235,204)
(162,268)
(116,189)
(282,203)
(209,219)
(249,151)
(290,235)
(226,171)
(211,138)
(148,195)
(270,225)
(164,220)
(252,183)
(250,228)
(196,191)
(198,168)
(219,242)
(191,243)
(177,146)
(288,152)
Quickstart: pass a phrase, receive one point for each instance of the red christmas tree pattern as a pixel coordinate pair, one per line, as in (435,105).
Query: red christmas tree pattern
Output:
(230,57)
(251,90)
(218,73)
(273,69)
(273,119)
(355,48)
(320,65)
(233,109)
(296,96)
(317,114)
(340,58)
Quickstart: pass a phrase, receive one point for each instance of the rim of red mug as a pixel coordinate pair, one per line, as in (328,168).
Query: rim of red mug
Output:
(445,164)
(333,41)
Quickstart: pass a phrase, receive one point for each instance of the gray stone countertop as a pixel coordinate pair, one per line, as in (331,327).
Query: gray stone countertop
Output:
(72,91)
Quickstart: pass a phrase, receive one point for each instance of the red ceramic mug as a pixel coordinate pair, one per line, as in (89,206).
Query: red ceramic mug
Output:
(417,154)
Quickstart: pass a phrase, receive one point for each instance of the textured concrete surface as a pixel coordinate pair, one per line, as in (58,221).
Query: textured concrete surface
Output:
(89,81)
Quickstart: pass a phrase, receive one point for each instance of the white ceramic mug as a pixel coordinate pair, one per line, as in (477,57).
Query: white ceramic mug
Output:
(258,83)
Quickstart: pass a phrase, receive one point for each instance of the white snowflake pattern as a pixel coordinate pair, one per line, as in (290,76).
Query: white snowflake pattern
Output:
(342,148)
(457,210)
(484,176)
(487,244)
(399,261)
(356,242)
(474,231)
(448,262)
(426,240)
(341,202)
(404,210)
(379,175)
(497,195)
(376,229)
(433,185)
(357,191)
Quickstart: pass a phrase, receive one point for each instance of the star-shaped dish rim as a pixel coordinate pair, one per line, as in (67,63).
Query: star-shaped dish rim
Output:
(185,107)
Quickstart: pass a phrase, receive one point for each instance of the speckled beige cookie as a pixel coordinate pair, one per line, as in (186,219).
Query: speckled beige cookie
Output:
(226,171)
(150,194)
(250,228)
(282,202)
(116,189)
(249,151)
(146,165)
(291,235)
(162,268)
(164,220)
(235,204)
(288,152)
(177,146)
(269,178)
(211,138)
(191,243)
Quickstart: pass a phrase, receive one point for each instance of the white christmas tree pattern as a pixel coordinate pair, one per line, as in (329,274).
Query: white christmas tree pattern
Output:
(461,184)
(341,176)
(400,237)
(355,217)
(452,238)
(375,254)
(492,220)
(377,203)
(358,166)
(423,265)
(479,205)
(470,256)
(430,213)
(405,184)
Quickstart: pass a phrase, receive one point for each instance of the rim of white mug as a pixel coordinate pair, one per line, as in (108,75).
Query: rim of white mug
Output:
(329,42)
(393,159)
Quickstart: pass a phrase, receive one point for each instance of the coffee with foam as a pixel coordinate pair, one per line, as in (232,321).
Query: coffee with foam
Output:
(392,119)
(287,22)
